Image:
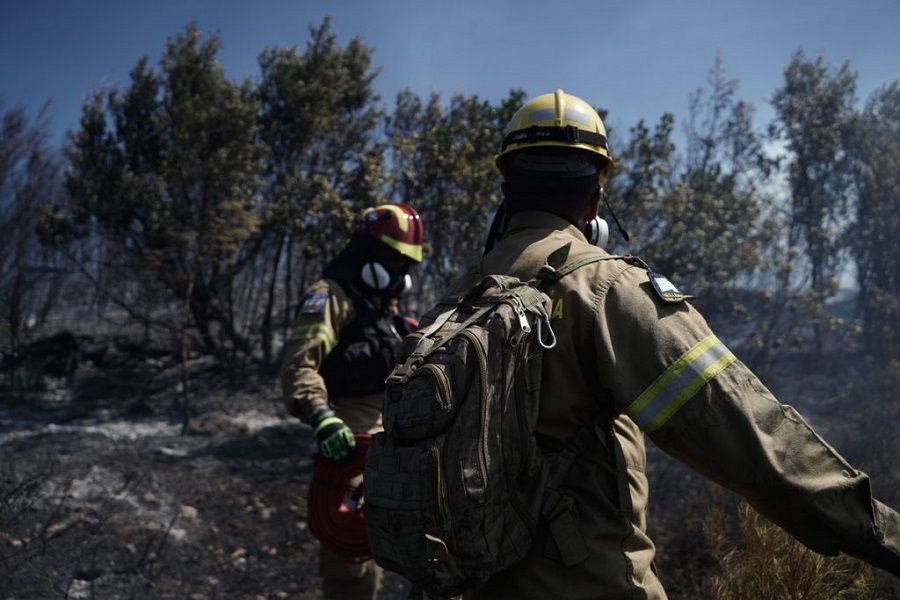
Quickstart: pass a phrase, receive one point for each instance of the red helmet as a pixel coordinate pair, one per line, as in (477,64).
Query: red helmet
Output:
(396,225)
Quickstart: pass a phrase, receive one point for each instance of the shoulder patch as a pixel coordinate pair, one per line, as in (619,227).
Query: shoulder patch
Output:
(665,289)
(314,303)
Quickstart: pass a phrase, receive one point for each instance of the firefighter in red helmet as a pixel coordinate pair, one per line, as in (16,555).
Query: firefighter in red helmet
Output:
(340,351)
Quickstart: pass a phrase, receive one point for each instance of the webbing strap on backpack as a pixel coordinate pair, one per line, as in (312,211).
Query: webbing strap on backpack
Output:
(530,299)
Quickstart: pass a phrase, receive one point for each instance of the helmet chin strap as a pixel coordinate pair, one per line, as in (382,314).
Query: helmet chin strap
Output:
(621,229)
(497,222)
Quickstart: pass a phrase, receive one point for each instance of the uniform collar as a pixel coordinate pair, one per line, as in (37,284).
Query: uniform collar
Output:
(536,219)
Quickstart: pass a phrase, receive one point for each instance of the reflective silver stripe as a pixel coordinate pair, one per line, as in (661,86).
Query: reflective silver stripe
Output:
(678,384)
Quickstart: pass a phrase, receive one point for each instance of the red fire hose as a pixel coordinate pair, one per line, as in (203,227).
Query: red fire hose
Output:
(334,505)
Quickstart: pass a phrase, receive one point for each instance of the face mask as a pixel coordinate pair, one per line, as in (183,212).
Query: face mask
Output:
(375,276)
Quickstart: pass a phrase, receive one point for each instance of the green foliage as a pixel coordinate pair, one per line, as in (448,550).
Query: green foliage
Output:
(814,108)
(229,198)
(442,165)
(319,118)
(30,275)
(644,174)
(167,173)
(708,225)
(876,227)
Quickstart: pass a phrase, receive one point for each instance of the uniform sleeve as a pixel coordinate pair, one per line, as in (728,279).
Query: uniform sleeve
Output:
(324,310)
(700,404)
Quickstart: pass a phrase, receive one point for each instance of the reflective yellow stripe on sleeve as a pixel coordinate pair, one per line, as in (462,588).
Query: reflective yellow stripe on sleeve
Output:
(319,331)
(671,390)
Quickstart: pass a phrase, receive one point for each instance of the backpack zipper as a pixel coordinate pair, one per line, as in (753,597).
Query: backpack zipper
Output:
(482,378)
(434,450)
(440,380)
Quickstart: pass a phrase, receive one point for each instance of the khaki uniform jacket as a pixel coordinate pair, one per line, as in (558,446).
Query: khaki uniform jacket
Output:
(325,310)
(658,364)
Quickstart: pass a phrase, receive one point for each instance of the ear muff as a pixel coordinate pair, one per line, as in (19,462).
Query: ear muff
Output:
(375,276)
(597,232)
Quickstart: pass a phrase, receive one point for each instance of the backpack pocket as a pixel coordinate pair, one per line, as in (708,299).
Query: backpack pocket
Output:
(429,401)
(404,485)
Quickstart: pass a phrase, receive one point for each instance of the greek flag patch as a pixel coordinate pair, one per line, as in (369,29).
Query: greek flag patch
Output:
(665,289)
(314,303)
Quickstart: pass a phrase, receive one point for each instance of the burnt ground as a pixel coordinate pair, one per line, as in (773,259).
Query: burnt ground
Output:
(101,496)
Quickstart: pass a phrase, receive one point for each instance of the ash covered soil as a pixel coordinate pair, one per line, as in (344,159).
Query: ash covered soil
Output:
(102,496)
(104,493)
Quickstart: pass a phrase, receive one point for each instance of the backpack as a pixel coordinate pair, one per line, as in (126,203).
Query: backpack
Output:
(455,484)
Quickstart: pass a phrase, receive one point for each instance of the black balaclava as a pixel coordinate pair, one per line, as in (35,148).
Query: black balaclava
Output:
(371,267)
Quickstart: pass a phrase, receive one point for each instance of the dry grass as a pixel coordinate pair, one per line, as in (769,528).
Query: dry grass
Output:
(759,560)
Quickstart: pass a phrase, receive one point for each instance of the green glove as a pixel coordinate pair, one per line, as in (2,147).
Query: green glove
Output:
(335,439)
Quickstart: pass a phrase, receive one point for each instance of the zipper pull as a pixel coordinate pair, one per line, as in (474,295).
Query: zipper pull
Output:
(523,320)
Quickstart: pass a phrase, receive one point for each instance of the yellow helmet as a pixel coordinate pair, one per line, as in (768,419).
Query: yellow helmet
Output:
(560,120)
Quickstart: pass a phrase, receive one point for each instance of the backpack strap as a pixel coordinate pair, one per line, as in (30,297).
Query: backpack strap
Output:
(557,266)
(528,298)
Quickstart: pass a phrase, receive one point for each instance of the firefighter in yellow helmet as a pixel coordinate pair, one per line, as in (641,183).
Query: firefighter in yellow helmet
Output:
(339,353)
(635,357)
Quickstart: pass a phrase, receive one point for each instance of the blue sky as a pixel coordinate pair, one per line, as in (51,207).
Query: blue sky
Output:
(637,59)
